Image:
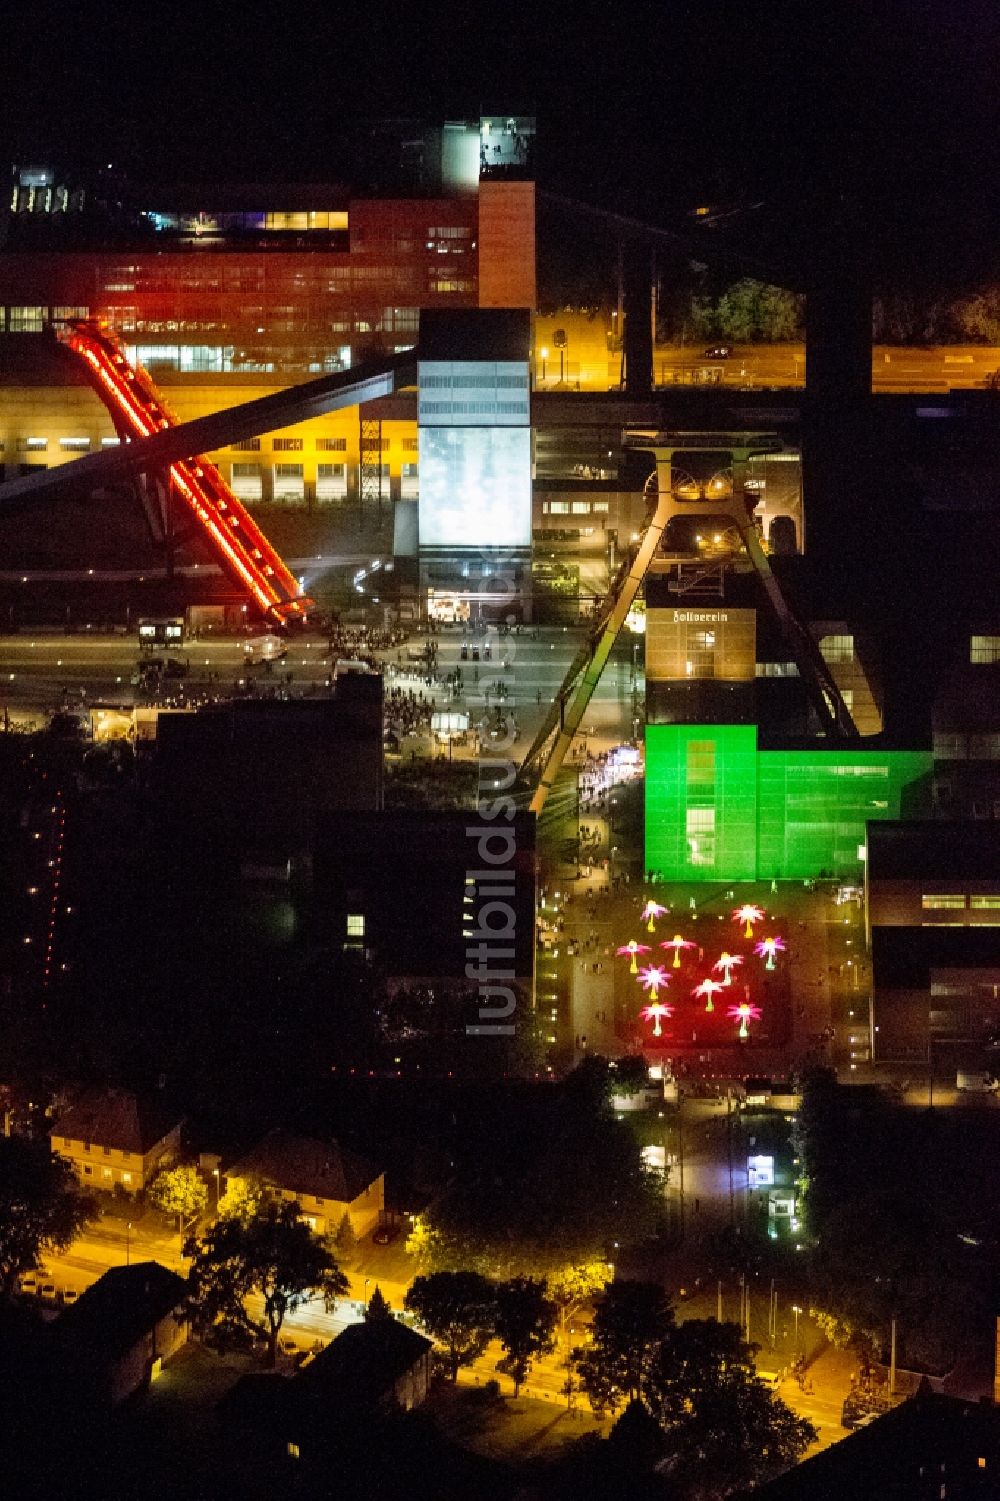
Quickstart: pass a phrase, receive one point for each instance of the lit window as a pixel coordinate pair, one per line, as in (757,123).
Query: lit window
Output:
(33,445)
(88,1172)
(984,903)
(355,925)
(105,1172)
(837,648)
(248,445)
(331,445)
(27,320)
(293,1451)
(77,444)
(287,445)
(984,649)
(952,900)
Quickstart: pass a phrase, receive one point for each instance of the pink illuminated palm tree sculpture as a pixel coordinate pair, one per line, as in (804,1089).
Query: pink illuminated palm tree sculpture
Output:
(677,943)
(652,978)
(743,1013)
(654,1012)
(650,913)
(725,964)
(767,948)
(708,988)
(748,914)
(632,948)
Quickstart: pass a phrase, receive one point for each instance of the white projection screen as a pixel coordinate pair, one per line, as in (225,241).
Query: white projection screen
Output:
(475,487)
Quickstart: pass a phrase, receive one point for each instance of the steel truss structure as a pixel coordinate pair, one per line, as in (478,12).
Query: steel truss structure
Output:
(564,718)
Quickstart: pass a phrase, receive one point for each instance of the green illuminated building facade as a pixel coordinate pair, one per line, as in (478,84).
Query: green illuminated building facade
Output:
(719,809)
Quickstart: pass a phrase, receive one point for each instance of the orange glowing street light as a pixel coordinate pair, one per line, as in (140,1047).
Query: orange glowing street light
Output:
(725,964)
(708,988)
(632,948)
(748,914)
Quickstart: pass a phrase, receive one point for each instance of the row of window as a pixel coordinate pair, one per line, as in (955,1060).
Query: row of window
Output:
(574,507)
(88,1146)
(107,1174)
(68,445)
(83,444)
(953,746)
(474,408)
(984,649)
(957,901)
(837,649)
(32,319)
(463,382)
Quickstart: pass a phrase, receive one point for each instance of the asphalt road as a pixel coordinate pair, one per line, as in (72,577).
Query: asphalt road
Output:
(39,671)
(894,368)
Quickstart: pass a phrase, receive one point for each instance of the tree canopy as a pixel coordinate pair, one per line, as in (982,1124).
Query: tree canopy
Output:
(888,1194)
(42,1207)
(271,1256)
(457,1310)
(523,1321)
(630,1320)
(724,1429)
(555,1181)
(179,1190)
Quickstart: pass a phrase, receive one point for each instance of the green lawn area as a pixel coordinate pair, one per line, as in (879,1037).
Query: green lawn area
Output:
(172,1442)
(505,1428)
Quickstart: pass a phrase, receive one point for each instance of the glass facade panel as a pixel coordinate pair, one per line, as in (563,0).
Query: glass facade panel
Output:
(774,814)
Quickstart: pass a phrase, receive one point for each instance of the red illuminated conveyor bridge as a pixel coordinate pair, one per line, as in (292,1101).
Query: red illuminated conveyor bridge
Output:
(138,411)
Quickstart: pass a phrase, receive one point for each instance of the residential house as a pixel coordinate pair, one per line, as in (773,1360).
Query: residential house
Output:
(115,1138)
(114,1339)
(327,1180)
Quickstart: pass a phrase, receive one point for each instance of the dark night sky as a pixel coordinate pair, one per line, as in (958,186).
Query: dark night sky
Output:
(641,106)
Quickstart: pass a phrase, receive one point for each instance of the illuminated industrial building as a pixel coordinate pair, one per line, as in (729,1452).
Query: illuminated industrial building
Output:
(231,293)
(719,808)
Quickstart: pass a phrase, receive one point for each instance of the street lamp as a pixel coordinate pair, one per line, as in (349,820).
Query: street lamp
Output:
(215,1175)
(796,1310)
(128,1240)
(365,1294)
(544,354)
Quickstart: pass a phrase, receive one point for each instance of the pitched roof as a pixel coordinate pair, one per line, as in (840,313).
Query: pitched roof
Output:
(116,1118)
(305,1165)
(887,1460)
(364,1362)
(121,1306)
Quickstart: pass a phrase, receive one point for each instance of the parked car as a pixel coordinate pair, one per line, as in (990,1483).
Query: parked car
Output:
(718,352)
(28,1284)
(68,1296)
(385,1235)
(47,1293)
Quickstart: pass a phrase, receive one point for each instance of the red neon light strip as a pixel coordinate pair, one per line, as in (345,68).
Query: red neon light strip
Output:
(269,581)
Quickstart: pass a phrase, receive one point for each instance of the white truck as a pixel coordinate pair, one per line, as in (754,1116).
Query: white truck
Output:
(974,1082)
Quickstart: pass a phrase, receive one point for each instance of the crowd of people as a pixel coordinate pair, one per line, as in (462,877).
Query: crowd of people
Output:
(406,712)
